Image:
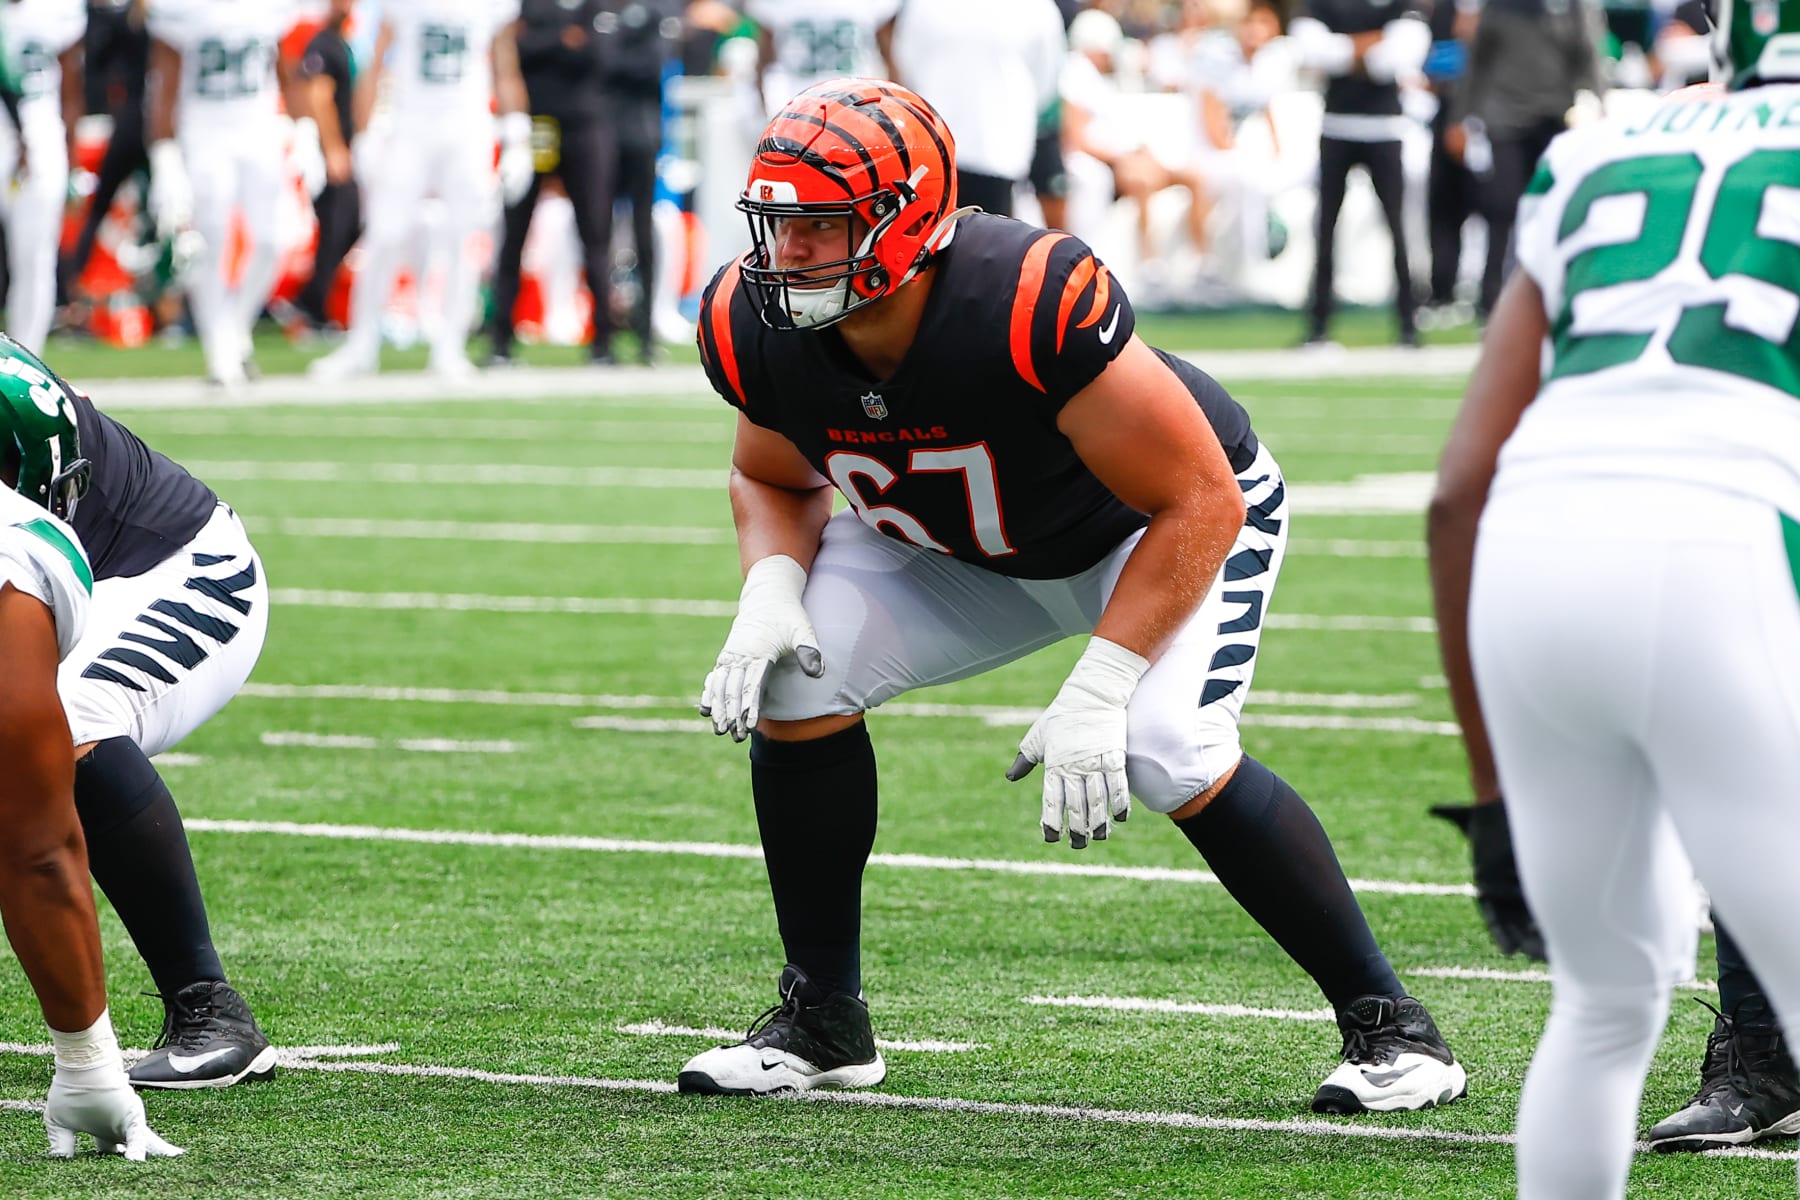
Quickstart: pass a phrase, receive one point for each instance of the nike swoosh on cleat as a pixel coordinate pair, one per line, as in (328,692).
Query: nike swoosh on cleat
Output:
(188,1066)
(1111,327)
(1384,1078)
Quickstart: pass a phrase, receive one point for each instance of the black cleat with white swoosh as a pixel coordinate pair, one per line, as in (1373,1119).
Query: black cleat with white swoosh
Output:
(809,1040)
(209,1040)
(1395,1060)
(1749,1090)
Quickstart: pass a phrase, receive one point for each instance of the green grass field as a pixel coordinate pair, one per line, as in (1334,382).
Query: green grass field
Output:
(499,1009)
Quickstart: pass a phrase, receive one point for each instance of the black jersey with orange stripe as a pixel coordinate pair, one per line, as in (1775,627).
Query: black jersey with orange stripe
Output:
(958,451)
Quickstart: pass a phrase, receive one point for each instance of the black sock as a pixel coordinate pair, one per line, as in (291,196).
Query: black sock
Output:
(1272,855)
(1741,995)
(138,853)
(815,808)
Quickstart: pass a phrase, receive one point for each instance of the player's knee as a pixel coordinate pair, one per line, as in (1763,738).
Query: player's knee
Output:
(1169,762)
(113,783)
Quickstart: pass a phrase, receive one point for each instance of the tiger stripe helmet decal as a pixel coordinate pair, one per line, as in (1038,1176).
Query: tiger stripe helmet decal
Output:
(866,151)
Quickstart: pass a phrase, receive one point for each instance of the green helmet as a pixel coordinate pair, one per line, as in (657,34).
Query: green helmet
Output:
(1755,41)
(38,437)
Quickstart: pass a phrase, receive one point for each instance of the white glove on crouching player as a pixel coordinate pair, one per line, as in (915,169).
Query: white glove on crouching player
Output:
(771,624)
(516,166)
(171,197)
(91,1094)
(1080,739)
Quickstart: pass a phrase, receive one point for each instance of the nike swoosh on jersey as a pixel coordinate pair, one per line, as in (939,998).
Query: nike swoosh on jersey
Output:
(188,1065)
(1111,327)
(1384,1078)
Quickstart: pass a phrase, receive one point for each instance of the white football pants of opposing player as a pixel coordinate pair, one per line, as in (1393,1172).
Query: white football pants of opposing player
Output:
(167,649)
(33,213)
(454,161)
(891,617)
(1634,643)
(233,171)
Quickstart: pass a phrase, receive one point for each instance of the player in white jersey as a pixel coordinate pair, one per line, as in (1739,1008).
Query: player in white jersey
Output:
(217,147)
(804,42)
(42,40)
(45,585)
(1627,619)
(445,60)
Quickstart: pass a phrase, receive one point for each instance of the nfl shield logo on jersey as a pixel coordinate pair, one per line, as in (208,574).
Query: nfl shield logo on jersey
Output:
(872,404)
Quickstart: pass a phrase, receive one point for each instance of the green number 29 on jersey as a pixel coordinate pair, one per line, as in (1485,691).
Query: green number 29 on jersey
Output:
(1733,242)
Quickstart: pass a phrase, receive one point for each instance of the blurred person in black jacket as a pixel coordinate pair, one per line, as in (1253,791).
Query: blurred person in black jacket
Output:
(328,73)
(117,51)
(573,138)
(1453,194)
(637,37)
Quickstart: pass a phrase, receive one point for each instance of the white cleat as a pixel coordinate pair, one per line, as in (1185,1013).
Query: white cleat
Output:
(808,1041)
(1394,1061)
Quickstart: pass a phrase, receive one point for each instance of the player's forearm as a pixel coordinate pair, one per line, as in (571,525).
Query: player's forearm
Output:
(165,71)
(1450,537)
(1170,571)
(45,896)
(321,95)
(777,520)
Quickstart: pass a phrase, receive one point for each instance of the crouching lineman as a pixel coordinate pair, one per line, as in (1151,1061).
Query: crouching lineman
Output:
(178,617)
(973,387)
(45,588)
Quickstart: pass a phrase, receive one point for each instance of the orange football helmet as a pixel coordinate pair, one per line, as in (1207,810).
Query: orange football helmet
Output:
(864,149)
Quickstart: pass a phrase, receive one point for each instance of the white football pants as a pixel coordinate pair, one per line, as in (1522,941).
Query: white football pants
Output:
(33,213)
(1635,645)
(165,650)
(892,617)
(239,172)
(452,159)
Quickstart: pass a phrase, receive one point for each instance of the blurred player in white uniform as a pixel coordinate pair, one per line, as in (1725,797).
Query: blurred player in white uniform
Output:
(217,147)
(804,42)
(445,60)
(42,40)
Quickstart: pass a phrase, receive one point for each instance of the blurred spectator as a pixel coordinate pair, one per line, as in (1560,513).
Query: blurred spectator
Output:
(1100,127)
(572,138)
(991,70)
(803,42)
(1454,193)
(1682,52)
(117,62)
(1049,173)
(637,40)
(1363,48)
(42,47)
(1531,62)
(328,73)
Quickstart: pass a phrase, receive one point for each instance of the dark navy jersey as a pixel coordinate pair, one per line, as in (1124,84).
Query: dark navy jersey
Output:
(958,451)
(140,507)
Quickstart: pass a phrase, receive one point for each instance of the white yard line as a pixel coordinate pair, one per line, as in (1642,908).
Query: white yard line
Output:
(920,862)
(549,429)
(1355,548)
(171,758)
(493,531)
(462,475)
(1491,975)
(1056,1112)
(669,607)
(34,1106)
(657,1028)
(344,741)
(1021,718)
(1143,1004)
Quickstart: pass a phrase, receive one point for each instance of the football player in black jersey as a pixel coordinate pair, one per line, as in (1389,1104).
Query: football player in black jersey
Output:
(1020,468)
(178,616)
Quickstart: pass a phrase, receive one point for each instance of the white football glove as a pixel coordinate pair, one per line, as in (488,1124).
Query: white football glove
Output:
(309,156)
(90,1093)
(171,197)
(516,165)
(771,624)
(1080,739)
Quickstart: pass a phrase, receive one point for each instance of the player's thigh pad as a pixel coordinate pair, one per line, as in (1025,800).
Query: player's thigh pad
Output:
(892,617)
(167,649)
(1563,635)
(1182,724)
